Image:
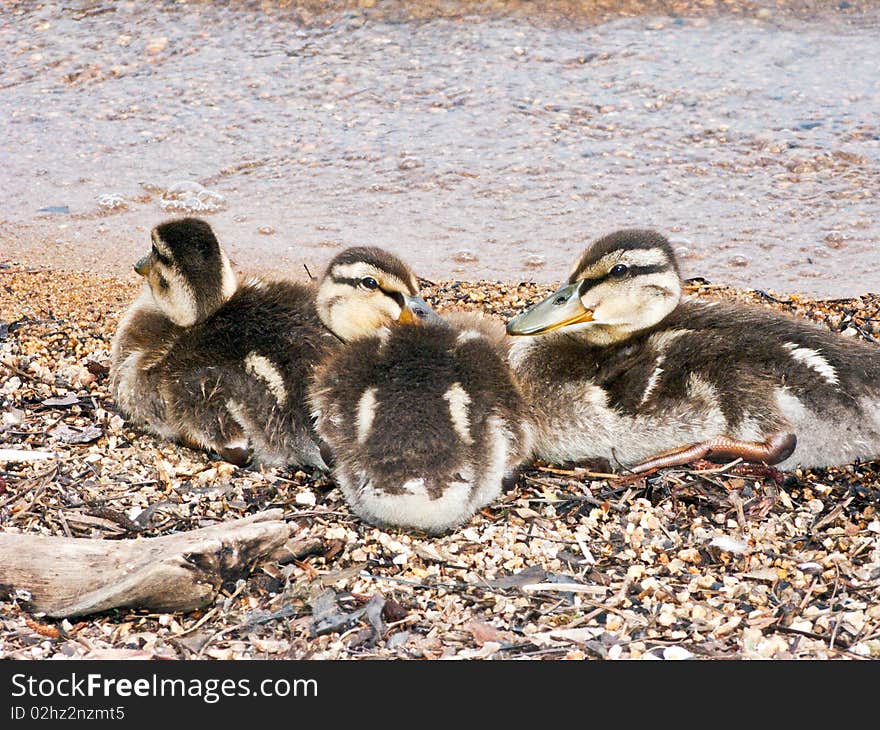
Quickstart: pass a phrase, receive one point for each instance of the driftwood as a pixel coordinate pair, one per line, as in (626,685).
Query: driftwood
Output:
(62,576)
(25,455)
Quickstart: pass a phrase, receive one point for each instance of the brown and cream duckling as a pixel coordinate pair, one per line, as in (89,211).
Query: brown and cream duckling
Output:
(216,364)
(617,365)
(424,417)
(224,366)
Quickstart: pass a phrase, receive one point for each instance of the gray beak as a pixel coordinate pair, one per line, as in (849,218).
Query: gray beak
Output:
(560,309)
(417,311)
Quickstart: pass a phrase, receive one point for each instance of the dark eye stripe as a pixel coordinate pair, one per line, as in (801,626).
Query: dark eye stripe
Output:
(396,296)
(633,271)
(347,281)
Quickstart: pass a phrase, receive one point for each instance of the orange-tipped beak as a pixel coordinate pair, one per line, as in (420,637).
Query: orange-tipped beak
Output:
(417,311)
(561,309)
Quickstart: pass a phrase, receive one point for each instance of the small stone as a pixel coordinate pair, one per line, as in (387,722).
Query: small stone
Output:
(410,163)
(112,201)
(191,197)
(834,240)
(14,417)
(810,568)
(156,45)
(464,256)
(815,506)
(677,653)
(11,385)
(729,544)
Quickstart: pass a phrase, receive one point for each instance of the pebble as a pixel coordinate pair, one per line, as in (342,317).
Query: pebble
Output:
(815,506)
(410,163)
(465,256)
(112,201)
(155,45)
(191,197)
(834,240)
(677,653)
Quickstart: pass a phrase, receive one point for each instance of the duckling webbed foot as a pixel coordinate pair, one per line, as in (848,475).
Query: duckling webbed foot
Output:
(721,449)
(240,456)
(598,465)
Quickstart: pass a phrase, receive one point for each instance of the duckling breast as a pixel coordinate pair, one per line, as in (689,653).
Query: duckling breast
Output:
(142,339)
(423,425)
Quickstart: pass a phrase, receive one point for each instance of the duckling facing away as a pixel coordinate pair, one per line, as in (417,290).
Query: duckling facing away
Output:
(424,418)
(216,364)
(619,367)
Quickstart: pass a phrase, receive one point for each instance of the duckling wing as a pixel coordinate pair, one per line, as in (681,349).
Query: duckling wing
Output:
(240,376)
(772,373)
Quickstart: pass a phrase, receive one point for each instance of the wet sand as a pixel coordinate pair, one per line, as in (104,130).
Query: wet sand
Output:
(477,140)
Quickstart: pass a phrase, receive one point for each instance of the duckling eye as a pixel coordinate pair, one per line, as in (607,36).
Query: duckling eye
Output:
(560,300)
(368,282)
(619,270)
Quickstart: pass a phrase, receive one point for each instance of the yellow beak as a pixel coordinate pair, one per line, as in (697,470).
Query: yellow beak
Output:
(560,309)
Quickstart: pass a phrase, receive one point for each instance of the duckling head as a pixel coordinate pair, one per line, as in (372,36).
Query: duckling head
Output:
(365,289)
(187,272)
(623,283)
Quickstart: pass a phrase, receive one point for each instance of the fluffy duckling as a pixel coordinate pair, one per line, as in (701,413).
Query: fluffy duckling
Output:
(424,417)
(216,364)
(618,366)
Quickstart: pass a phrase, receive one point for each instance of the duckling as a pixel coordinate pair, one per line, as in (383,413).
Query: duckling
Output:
(424,417)
(214,363)
(617,365)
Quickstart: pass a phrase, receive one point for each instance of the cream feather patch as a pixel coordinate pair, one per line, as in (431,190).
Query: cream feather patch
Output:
(365,414)
(263,368)
(459,401)
(813,359)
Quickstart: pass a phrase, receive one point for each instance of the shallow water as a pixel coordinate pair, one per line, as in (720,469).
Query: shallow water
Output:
(475,147)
